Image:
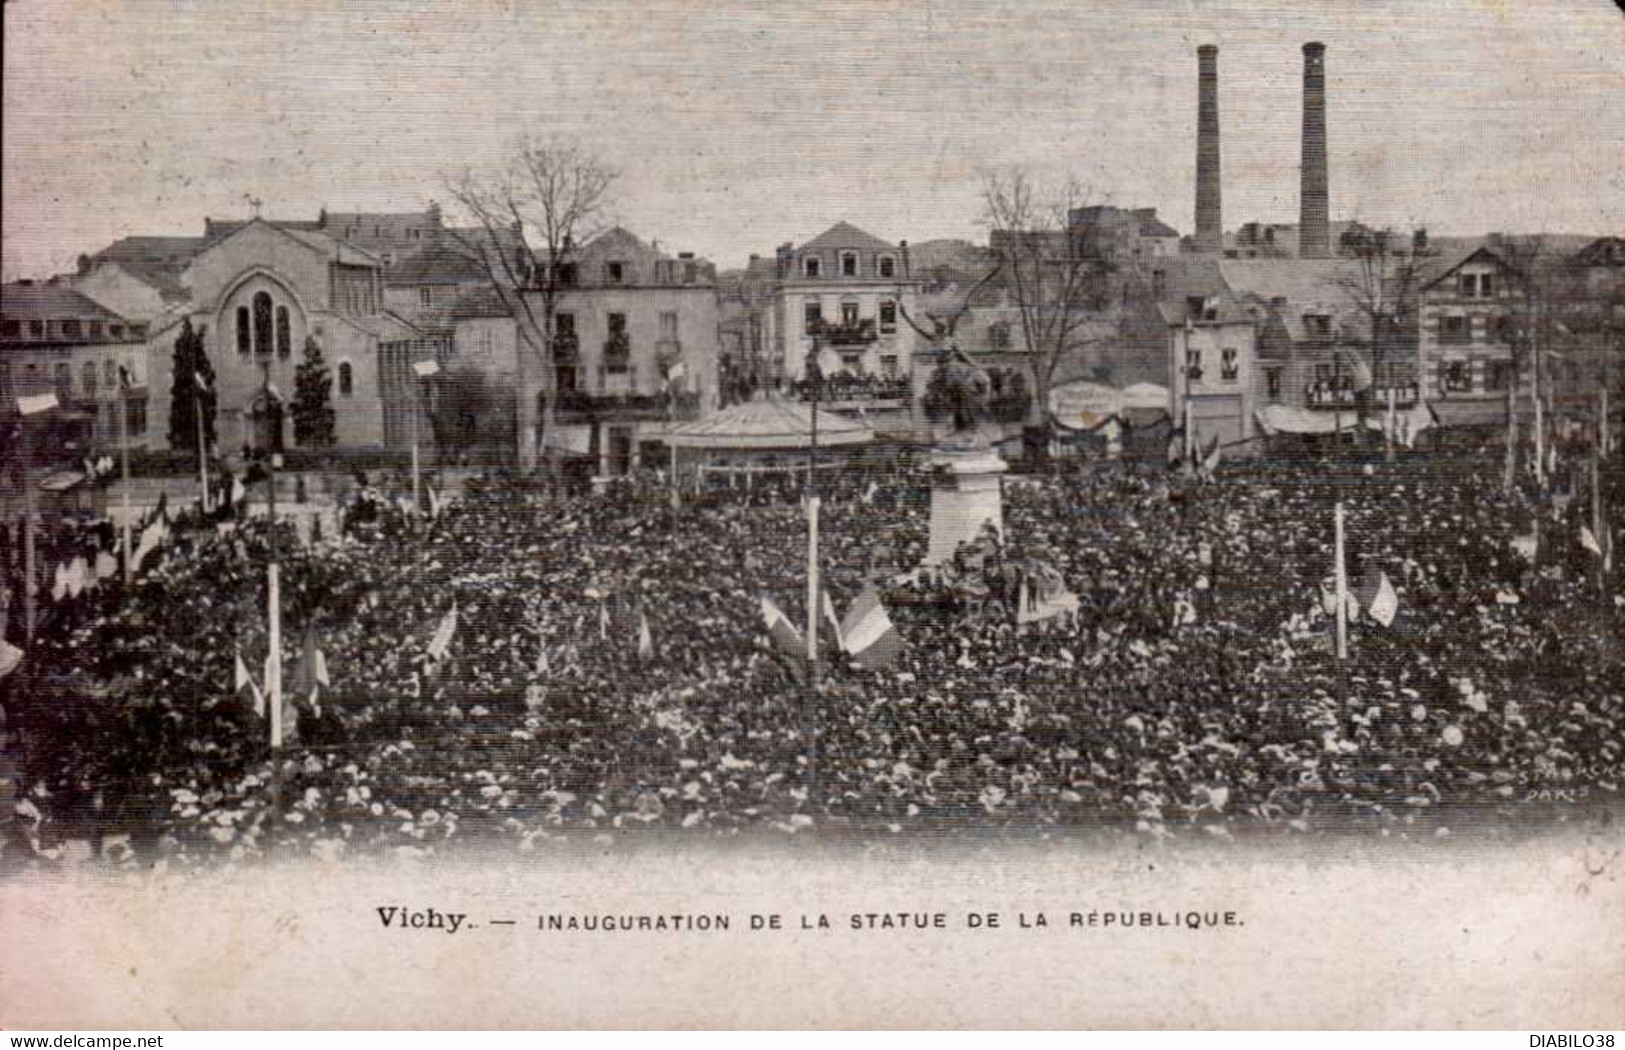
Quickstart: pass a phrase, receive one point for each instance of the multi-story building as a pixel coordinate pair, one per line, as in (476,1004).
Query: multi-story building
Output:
(751,355)
(625,317)
(843,294)
(1588,292)
(257,293)
(1467,325)
(1212,362)
(55,340)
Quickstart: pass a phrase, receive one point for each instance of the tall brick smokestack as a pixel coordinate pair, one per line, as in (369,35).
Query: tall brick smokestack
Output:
(1209,217)
(1314,195)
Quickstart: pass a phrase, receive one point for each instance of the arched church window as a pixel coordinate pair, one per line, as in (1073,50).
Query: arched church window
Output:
(284,334)
(262,323)
(245,336)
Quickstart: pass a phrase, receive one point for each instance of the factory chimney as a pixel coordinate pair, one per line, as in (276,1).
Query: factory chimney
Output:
(1209,218)
(1314,195)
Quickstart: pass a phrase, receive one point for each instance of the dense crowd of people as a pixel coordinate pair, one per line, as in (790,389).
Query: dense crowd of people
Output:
(608,670)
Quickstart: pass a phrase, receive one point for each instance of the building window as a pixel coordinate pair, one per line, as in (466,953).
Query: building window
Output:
(425,297)
(668,325)
(13,329)
(262,323)
(1467,285)
(284,334)
(888,266)
(565,275)
(849,264)
(1230,366)
(1325,372)
(116,331)
(70,329)
(809,266)
(64,381)
(690,273)
(5,379)
(36,329)
(888,316)
(1193,363)
(849,315)
(136,412)
(88,378)
(245,331)
(1458,377)
(138,331)
(812,317)
(888,365)
(96,330)
(1455,330)
(1272,384)
(346,379)
(615,272)
(1502,329)
(1499,376)
(618,348)
(1477,285)
(1319,326)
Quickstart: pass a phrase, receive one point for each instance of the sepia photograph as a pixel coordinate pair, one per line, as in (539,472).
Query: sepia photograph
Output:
(851,514)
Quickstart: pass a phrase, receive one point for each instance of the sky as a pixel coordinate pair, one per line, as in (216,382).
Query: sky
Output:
(738,126)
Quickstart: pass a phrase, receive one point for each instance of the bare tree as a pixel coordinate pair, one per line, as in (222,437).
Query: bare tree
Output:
(557,191)
(1056,262)
(1528,333)
(1383,288)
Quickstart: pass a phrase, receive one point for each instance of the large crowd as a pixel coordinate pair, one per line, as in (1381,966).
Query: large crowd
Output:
(1195,692)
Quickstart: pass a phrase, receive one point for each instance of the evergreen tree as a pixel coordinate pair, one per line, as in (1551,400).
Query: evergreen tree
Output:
(313,416)
(189,363)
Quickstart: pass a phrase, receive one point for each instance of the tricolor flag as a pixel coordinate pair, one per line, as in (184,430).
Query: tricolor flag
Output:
(646,642)
(1588,540)
(786,637)
(436,503)
(241,680)
(1378,596)
(440,644)
(1328,599)
(826,609)
(1212,462)
(10,657)
(871,639)
(311,674)
(1362,372)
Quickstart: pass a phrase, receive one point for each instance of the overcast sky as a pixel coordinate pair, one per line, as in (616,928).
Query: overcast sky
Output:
(742,125)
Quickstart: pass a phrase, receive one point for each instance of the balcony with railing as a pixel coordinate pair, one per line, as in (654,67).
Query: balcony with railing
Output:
(860,391)
(860,332)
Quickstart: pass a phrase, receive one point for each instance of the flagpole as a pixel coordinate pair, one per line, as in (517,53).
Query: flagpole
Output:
(417,407)
(202,454)
(273,673)
(124,456)
(1341,574)
(1597,527)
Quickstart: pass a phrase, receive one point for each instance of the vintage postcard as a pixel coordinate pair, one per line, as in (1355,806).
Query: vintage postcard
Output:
(843,514)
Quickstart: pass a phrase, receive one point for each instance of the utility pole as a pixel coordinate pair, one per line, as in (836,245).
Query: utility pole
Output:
(124,456)
(1341,572)
(37,405)
(421,371)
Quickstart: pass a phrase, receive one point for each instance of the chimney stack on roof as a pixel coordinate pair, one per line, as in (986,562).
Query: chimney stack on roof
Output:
(1314,195)
(1209,217)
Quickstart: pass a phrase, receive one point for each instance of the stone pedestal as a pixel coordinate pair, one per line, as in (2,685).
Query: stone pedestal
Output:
(966,494)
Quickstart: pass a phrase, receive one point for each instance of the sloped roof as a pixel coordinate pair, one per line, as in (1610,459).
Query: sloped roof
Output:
(39,301)
(482,301)
(1309,286)
(443,262)
(155,260)
(769,424)
(846,235)
(1151,226)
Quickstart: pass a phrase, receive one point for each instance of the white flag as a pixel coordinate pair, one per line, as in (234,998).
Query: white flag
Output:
(1588,540)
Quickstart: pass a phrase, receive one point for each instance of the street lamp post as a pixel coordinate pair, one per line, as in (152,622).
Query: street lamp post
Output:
(28,407)
(421,371)
(124,458)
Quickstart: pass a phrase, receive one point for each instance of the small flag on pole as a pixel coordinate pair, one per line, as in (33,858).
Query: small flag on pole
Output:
(1378,596)
(826,608)
(786,637)
(243,680)
(646,643)
(440,644)
(871,639)
(1588,540)
(10,657)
